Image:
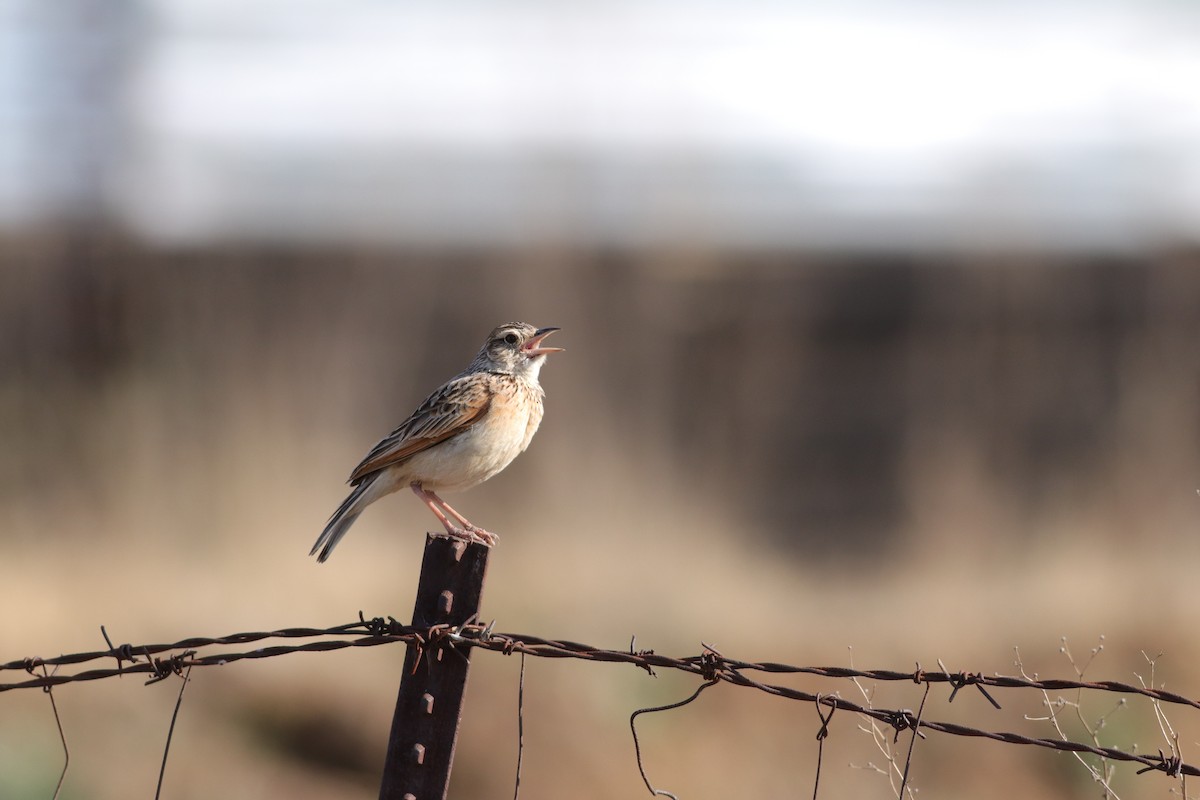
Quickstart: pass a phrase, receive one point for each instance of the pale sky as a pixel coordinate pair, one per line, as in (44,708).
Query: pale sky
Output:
(771,121)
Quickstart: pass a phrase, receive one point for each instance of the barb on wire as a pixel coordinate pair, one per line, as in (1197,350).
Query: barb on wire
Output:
(637,747)
(122,653)
(635,652)
(1172,765)
(166,667)
(961,679)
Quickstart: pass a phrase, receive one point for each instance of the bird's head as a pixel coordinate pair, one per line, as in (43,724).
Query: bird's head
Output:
(515,348)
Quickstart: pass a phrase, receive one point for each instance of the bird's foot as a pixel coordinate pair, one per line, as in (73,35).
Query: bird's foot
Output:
(483,537)
(470,535)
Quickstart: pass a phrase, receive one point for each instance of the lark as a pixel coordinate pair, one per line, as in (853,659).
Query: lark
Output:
(466,431)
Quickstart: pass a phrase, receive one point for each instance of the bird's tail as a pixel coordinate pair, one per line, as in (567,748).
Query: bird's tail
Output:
(343,518)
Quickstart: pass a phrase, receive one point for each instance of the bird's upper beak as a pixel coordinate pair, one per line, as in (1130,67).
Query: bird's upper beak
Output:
(533,346)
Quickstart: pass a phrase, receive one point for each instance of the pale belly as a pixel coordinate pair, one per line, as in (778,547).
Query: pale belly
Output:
(471,457)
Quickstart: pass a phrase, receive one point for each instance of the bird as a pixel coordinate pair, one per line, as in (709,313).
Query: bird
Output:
(466,431)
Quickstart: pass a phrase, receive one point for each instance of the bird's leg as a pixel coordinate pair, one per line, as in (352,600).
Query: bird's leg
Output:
(469,533)
(427,499)
(487,537)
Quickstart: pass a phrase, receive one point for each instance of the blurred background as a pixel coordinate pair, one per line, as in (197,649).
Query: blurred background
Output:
(881,325)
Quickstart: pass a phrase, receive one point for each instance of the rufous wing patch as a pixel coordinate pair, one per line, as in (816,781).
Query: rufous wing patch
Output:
(448,412)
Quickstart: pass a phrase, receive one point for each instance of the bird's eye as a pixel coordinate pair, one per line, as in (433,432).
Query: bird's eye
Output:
(510,338)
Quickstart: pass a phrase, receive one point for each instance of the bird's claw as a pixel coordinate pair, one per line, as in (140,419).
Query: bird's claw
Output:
(486,538)
(471,535)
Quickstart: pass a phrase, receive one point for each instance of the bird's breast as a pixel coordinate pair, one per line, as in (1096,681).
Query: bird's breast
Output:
(486,447)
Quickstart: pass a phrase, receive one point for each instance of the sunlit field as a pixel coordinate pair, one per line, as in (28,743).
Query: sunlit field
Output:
(811,460)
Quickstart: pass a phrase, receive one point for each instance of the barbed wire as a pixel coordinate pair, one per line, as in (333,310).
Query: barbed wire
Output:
(711,665)
(382,631)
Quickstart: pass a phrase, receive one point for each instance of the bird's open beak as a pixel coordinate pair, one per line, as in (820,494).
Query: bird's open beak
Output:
(533,346)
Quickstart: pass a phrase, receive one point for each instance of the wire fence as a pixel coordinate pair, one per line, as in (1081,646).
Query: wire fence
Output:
(162,661)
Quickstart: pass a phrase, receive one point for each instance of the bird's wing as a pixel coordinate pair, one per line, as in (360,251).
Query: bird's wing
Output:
(447,412)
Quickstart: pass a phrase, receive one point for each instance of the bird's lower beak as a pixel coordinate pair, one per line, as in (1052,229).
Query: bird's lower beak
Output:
(533,346)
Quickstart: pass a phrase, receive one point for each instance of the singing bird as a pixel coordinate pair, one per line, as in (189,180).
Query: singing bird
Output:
(466,431)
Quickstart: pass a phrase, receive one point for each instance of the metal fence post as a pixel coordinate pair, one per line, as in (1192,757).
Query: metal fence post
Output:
(420,749)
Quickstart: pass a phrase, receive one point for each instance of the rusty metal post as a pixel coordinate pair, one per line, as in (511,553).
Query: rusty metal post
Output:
(420,749)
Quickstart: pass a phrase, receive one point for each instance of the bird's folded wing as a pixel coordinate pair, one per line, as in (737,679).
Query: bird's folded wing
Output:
(447,412)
